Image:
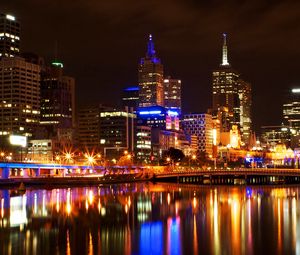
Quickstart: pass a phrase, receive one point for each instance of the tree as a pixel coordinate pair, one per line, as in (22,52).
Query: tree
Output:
(174,154)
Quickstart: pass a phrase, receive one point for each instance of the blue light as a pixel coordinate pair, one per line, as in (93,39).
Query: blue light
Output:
(151,238)
(172,113)
(248,192)
(135,88)
(150,112)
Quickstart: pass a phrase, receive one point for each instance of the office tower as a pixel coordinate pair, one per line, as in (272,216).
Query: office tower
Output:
(172,90)
(19,97)
(201,126)
(245,98)
(9,36)
(143,143)
(231,96)
(150,77)
(225,87)
(130,97)
(88,126)
(273,135)
(117,132)
(57,101)
(291,110)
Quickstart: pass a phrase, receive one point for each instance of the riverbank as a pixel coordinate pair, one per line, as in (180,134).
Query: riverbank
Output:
(74,180)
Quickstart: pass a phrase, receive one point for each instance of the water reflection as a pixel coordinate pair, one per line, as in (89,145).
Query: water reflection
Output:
(150,219)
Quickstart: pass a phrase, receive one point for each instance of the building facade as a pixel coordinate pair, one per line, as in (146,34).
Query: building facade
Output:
(172,91)
(130,97)
(200,125)
(150,78)
(19,97)
(291,110)
(9,36)
(57,100)
(116,132)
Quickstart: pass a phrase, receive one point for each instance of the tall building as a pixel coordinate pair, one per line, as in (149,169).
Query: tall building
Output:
(150,78)
(9,36)
(232,93)
(130,97)
(200,126)
(57,100)
(291,110)
(88,126)
(245,97)
(116,132)
(225,86)
(19,97)
(172,91)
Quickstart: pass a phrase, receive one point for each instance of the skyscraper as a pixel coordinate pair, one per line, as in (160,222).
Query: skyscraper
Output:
(232,93)
(150,78)
(291,110)
(19,97)
(245,98)
(130,97)
(57,100)
(172,90)
(225,86)
(9,36)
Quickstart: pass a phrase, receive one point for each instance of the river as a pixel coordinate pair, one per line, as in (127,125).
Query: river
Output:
(146,218)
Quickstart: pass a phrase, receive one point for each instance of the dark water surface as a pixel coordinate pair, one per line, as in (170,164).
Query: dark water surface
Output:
(151,219)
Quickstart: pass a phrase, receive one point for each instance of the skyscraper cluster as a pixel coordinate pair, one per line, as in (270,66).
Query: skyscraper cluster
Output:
(37,101)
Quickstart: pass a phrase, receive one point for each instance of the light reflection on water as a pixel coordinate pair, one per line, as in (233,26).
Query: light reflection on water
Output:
(151,219)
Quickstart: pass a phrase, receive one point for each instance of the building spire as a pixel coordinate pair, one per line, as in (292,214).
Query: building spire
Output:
(224,51)
(150,47)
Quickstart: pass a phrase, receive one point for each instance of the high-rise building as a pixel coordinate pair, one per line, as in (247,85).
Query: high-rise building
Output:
(130,97)
(19,97)
(172,90)
(150,77)
(88,126)
(201,126)
(225,87)
(245,98)
(291,110)
(117,131)
(232,93)
(9,36)
(57,100)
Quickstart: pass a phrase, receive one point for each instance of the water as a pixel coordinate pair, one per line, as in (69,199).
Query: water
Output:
(151,219)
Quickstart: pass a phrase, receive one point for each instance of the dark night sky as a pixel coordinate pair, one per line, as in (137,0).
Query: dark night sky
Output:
(100,43)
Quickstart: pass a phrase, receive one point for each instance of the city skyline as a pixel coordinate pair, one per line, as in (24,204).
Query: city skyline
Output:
(110,48)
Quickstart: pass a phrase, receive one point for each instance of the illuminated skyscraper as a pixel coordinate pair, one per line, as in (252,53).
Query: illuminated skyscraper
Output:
(291,110)
(19,97)
(9,36)
(225,87)
(232,93)
(150,77)
(57,100)
(172,90)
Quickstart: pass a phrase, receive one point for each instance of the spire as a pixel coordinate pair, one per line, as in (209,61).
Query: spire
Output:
(224,51)
(150,47)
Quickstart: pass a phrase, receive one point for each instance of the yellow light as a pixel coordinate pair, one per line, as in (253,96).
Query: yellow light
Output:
(194,157)
(125,152)
(129,156)
(168,159)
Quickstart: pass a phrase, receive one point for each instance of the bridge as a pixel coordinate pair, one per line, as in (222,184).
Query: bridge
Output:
(233,176)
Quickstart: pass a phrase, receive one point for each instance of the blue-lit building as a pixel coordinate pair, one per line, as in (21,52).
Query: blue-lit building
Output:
(130,97)
(150,78)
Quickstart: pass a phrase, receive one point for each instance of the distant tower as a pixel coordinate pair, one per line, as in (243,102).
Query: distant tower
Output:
(225,86)
(224,51)
(172,90)
(9,36)
(150,78)
(231,96)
